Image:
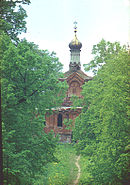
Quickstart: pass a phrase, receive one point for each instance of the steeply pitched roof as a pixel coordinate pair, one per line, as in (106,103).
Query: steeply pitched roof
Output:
(80,73)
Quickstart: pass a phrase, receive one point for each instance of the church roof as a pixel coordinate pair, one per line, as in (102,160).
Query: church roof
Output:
(80,73)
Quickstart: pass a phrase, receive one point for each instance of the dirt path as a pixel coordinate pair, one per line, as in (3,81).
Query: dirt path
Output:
(78,166)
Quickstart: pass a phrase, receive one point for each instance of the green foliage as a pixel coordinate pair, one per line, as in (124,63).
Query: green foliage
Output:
(102,52)
(27,73)
(68,123)
(85,175)
(101,130)
(12,17)
(77,102)
(63,171)
(29,87)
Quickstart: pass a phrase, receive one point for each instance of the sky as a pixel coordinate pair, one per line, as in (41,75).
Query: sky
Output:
(50,25)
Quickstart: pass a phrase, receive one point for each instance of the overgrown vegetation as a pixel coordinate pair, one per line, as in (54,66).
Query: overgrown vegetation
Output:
(63,171)
(102,129)
(29,87)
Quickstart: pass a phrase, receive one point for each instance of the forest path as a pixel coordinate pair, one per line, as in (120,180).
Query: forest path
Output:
(79,170)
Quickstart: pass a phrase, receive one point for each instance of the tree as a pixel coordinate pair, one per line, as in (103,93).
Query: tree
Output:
(30,86)
(102,128)
(102,53)
(12,22)
(12,17)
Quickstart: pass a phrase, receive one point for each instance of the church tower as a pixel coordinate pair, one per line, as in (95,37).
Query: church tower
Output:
(75,45)
(75,78)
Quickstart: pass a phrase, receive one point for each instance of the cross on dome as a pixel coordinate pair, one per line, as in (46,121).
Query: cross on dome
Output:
(75,27)
(75,43)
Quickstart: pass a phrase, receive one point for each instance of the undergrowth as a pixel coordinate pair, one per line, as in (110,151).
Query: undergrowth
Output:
(62,172)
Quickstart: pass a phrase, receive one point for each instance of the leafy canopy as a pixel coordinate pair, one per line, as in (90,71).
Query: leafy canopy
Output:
(30,86)
(102,128)
(12,17)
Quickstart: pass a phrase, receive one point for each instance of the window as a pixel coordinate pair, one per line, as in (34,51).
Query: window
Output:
(67,116)
(74,90)
(59,120)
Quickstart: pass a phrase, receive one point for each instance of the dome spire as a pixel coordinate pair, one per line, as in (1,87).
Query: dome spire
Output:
(75,46)
(75,43)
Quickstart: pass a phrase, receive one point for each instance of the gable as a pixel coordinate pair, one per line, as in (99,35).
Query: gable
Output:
(75,77)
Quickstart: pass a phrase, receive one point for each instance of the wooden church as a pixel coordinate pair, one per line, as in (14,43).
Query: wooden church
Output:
(75,78)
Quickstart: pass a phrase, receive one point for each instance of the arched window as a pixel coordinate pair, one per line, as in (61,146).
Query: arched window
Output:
(59,120)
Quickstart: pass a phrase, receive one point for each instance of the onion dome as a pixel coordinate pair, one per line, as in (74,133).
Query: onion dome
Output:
(75,43)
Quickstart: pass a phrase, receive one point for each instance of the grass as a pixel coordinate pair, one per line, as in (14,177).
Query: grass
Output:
(63,172)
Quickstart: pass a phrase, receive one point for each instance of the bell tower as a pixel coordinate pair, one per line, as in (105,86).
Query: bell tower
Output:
(75,78)
(75,46)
